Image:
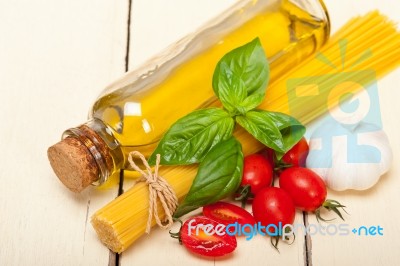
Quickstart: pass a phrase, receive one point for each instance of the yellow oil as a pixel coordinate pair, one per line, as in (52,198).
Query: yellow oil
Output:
(139,117)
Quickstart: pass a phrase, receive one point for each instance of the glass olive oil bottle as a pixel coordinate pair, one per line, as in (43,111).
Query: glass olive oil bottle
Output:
(134,112)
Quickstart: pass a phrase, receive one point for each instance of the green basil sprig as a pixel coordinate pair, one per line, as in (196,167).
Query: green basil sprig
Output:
(219,174)
(205,136)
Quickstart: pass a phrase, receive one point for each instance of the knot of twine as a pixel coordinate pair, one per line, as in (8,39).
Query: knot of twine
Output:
(158,189)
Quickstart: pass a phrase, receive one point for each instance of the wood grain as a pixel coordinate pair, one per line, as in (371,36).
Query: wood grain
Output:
(56,56)
(378,205)
(373,207)
(149,35)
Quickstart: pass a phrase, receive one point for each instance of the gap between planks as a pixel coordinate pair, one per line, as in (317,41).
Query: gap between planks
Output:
(86,221)
(307,243)
(114,259)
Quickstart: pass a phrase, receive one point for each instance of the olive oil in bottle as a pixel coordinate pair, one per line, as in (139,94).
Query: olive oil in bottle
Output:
(134,112)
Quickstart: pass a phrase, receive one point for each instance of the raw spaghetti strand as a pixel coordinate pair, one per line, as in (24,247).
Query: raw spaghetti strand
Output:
(158,188)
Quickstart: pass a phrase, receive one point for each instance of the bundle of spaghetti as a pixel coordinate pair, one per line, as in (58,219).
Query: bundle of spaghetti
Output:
(365,49)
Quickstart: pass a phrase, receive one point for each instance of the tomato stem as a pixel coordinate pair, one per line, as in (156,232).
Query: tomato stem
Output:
(281,165)
(278,169)
(275,245)
(294,238)
(330,205)
(275,239)
(244,195)
(177,235)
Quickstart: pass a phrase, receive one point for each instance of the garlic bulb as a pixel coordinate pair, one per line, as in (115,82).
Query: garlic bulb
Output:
(349,157)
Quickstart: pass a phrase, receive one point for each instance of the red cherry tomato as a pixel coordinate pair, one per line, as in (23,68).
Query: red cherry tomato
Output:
(306,188)
(257,172)
(297,155)
(227,213)
(273,205)
(196,238)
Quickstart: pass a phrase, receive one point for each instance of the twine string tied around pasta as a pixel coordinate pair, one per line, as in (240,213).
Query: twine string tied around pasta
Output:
(159,189)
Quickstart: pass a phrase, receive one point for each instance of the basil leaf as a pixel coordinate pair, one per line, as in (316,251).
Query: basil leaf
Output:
(219,175)
(275,130)
(241,76)
(259,124)
(232,92)
(291,129)
(191,137)
(253,101)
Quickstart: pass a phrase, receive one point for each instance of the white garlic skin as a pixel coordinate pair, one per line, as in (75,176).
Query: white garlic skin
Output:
(342,175)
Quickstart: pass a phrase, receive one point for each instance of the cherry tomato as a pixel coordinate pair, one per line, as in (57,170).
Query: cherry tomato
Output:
(227,213)
(208,243)
(297,155)
(306,188)
(257,172)
(273,205)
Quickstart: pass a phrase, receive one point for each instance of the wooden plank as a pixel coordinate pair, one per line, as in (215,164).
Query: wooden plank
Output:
(259,251)
(159,248)
(324,251)
(376,206)
(342,11)
(156,24)
(55,57)
(373,207)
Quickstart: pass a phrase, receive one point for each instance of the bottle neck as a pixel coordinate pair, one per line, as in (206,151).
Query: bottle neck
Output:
(101,144)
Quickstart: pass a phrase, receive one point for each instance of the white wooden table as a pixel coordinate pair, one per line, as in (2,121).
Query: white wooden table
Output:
(56,56)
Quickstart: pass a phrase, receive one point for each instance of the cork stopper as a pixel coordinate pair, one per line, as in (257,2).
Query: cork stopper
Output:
(73,164)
